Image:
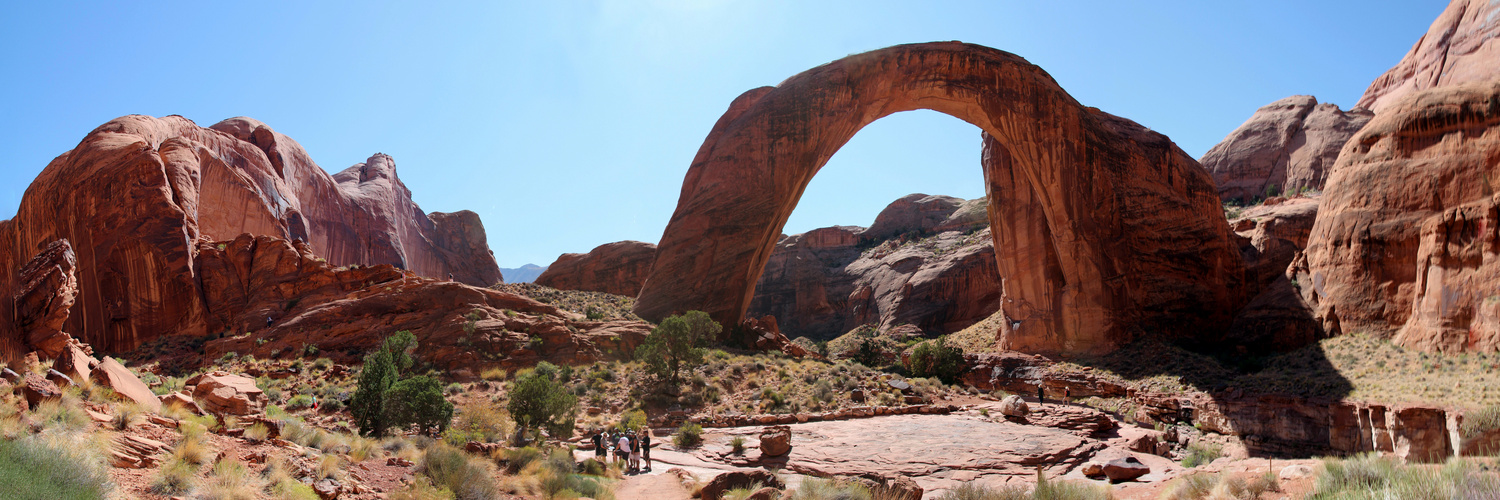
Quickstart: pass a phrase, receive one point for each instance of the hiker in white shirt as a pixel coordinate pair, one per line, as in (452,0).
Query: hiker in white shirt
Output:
(624,447)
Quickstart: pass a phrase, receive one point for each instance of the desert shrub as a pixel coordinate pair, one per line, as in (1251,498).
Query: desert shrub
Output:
(936,359)
(321,364)
(975,491)
(687,436)
(493,374)
(453,389)
(376,377)
(191,449)
(257,433)
(822,390)
(1485,420)
(1200,453)
(868,353)
(452,469)
(633,420)
(539,401)
(737,444)
(518,458)
(418,401)
(64,414)
(126,415)
(814,488)
(677,345)
(298,402)
(477,421)
(422,489)
(175,476)
(30,468)
(230,480)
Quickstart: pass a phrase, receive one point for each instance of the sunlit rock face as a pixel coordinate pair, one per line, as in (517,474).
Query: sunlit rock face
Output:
(1103,229)
(1461,46)
(138,193)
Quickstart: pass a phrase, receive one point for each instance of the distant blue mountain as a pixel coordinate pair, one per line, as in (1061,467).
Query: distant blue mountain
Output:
(523,274)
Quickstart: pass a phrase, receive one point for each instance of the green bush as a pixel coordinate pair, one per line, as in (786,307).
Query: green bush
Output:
(1485,420)
(814,488)
(868,353)
(687,436)
(1370,476)
(299,402)
(418,400)
(540,402)
(633,420)
(1200,453)
(677,345)
(32,469)
(382,399)
(936,359)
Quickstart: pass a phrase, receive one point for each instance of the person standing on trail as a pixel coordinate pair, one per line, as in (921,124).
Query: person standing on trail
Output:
(635,453)
(623,449)
(1041,397)
(646,447)
(600,449)
(1068,395)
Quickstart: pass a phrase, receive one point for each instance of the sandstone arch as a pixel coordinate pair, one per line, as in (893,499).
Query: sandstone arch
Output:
(1103,229)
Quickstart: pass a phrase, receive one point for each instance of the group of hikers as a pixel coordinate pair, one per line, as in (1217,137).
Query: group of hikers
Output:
(628,447)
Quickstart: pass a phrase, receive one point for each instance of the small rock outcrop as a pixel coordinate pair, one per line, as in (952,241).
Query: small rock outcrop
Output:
(721,483)
(221,393)
(1461,46)
(43,290)
(775,441)
(619,268)
(36,389)
(1285,147)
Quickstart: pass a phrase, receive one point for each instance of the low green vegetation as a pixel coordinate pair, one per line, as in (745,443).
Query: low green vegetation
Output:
(539,400)
(1374,477)
(385,399)
(677,345)
(1201,453)
(936,359)
(1217,486)
(33,468)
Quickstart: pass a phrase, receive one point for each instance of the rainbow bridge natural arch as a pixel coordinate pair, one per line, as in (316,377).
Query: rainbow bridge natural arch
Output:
(1103,229)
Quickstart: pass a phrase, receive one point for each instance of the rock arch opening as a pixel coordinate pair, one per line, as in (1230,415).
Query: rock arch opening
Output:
(1103,229)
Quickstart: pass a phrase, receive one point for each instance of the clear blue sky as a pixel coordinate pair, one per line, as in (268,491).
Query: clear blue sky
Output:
(568,124)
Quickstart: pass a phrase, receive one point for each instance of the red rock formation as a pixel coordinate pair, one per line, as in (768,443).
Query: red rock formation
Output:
(1461,46)
(1405,245)
(1271,236)
(343,311)
(1287,145)
(42,292)
(828,281)
(1104,228)
(618,268)
(138,192)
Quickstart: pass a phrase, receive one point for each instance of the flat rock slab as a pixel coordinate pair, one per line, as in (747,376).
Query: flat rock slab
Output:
(936,451)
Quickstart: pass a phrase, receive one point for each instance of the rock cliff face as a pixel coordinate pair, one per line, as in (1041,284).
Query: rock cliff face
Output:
(1103,229)
(1287,145)
(1271,236)
(45,288)
(618,268)
(931,265)
(1461,46)
(1406,243)
(343,311)
(138,193)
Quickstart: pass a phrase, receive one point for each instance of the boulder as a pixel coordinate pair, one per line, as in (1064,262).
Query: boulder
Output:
(1092,469)
(765,493)
(221,393)
(76,360)
(328,489)
(1014,406)
(58,378)
(775,441)
(112,374)
(183,400)
(37,389)
(1285,147)
(138,194)
(721,483)
(1125,469)
(1461,46)
(1056,185)
(618,268)
(10,375)
(1295,472)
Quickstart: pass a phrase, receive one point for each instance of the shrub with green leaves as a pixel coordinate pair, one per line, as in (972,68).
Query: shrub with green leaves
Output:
(1200,453)
(689,435)
(936,359)
(418,401)
(677,345)
(452,469)
(540,401)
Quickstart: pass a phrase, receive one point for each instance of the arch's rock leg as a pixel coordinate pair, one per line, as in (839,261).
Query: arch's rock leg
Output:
(1103,229)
